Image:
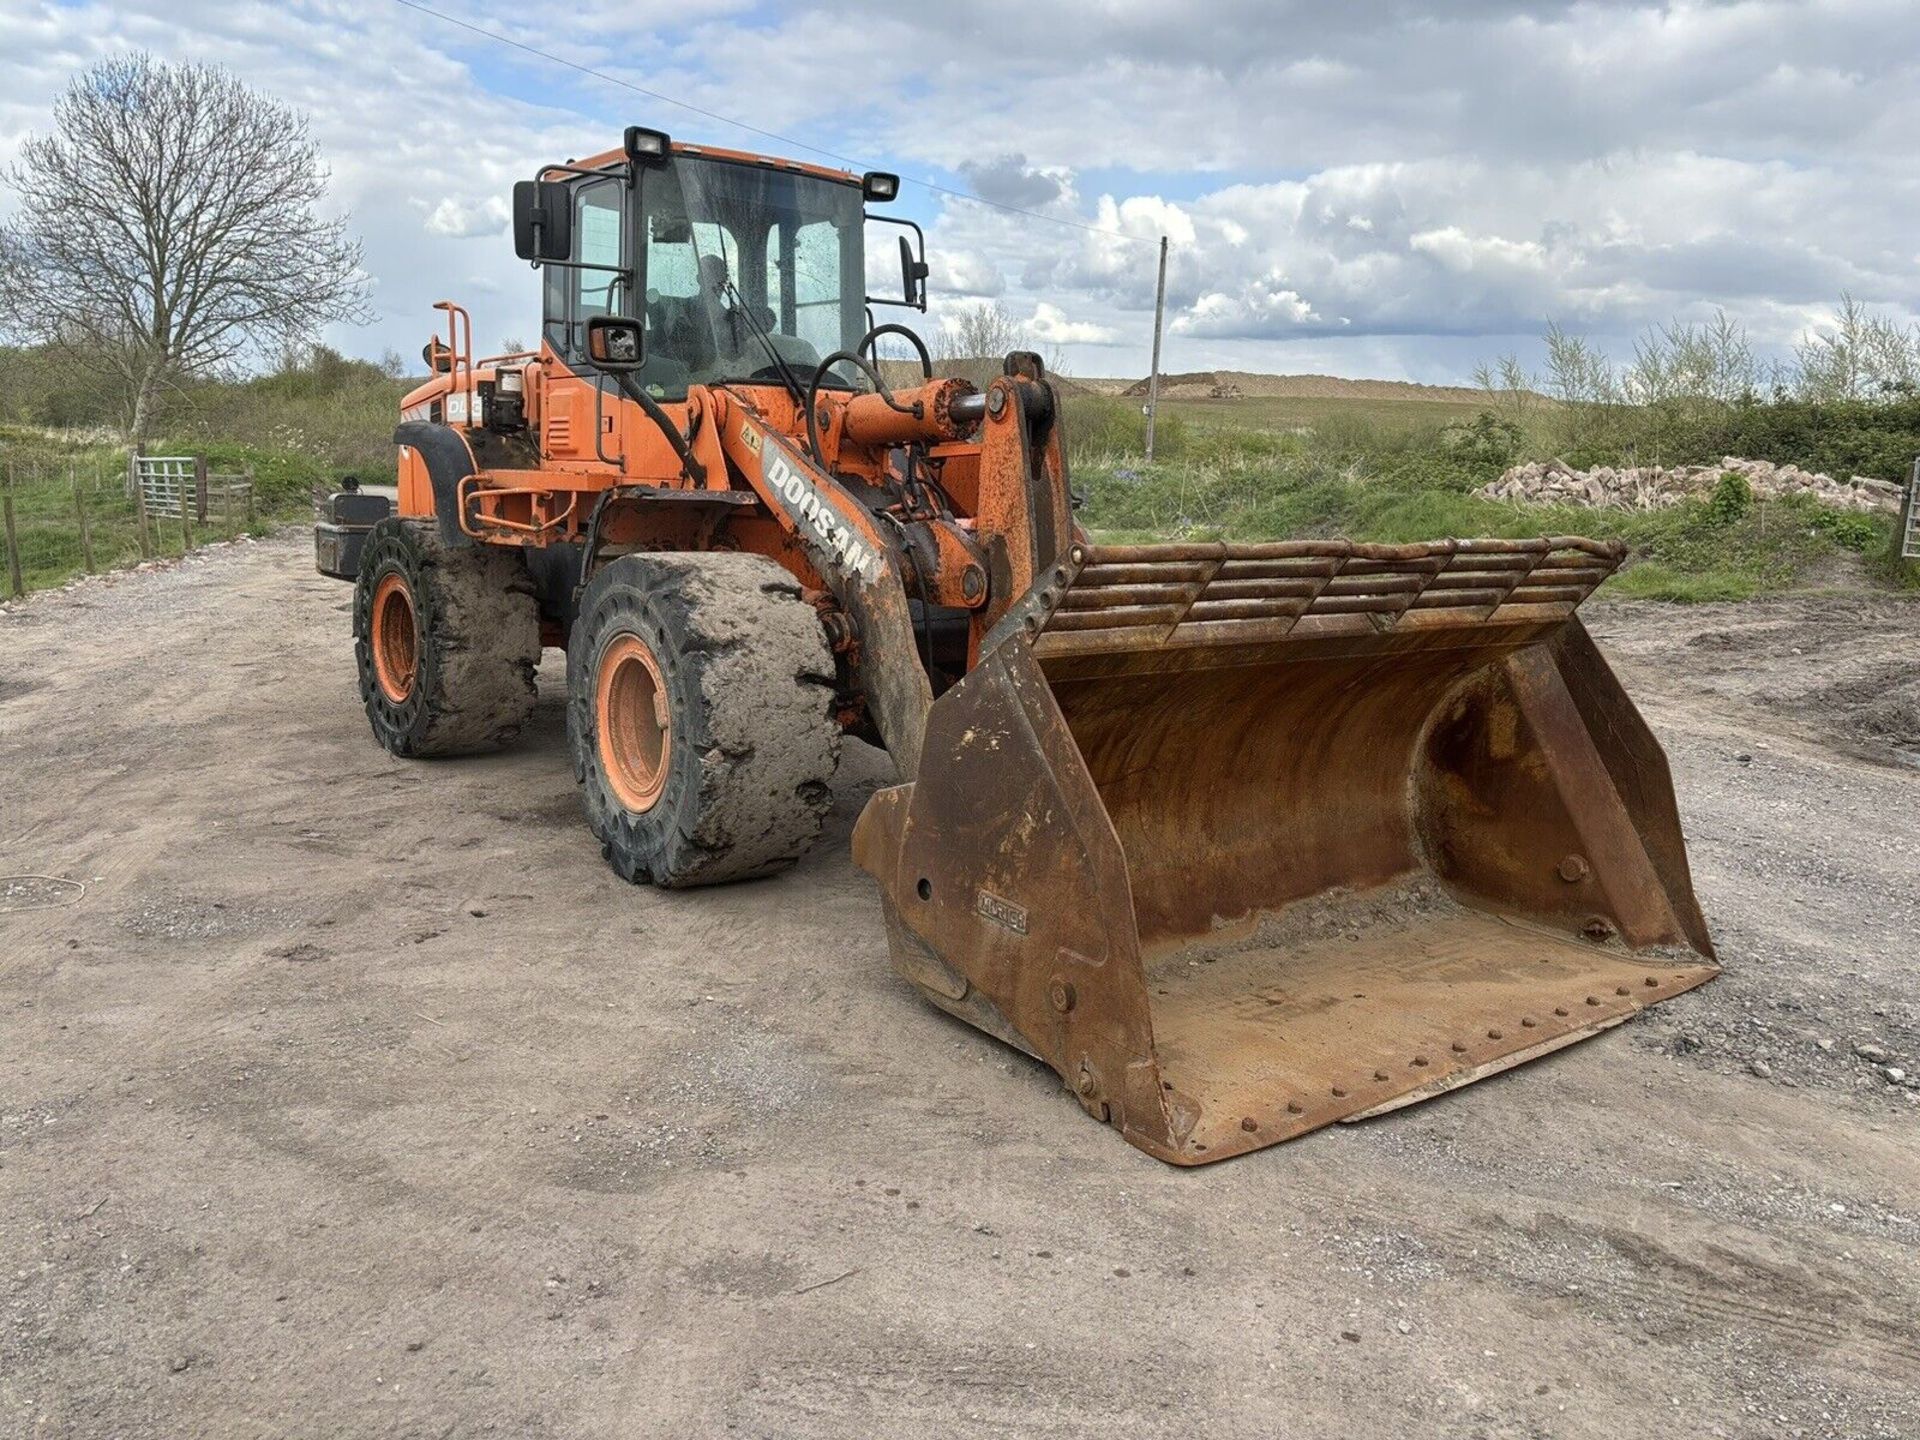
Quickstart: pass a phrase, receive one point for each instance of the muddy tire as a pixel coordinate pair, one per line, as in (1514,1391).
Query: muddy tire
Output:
(446,639)
(699,717)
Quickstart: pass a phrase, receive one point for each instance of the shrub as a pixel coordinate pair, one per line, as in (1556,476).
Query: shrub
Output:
(1849,529)
(1732,498)
(1486,439)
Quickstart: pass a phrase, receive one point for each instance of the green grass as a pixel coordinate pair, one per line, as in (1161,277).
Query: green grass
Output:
(308,424)
(1387,470)
(1323,414)
(44,473)
(1396,471)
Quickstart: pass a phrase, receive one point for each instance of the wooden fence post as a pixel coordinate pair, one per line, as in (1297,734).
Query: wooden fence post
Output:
(80,511)
(140,521)
(13,542)
(250,485)
(200,488)
(186,519)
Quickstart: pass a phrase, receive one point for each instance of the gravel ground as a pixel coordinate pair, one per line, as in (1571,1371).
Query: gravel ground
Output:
(357,1097)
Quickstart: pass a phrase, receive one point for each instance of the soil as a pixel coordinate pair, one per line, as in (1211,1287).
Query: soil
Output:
(1209,384)
(356,1096)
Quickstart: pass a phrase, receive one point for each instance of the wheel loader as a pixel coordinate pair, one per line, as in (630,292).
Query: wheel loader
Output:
(1240,839)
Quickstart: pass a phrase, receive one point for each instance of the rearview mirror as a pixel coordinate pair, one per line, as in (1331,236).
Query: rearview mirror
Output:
(615,344)
(913,274)
(542,220)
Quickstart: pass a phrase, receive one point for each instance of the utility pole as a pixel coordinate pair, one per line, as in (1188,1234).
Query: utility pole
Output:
(1153,377)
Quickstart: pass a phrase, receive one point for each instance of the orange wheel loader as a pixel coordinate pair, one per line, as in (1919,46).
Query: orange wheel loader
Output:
(1240,839)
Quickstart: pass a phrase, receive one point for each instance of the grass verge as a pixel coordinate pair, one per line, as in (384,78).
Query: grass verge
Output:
(1400,471)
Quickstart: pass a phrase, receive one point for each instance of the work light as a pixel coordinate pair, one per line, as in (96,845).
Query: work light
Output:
(645,144)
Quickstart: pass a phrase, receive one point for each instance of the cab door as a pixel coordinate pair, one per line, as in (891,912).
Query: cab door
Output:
(575,423)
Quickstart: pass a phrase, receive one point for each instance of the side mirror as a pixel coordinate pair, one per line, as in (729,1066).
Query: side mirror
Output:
(615,344)
(542,220)
(913,274)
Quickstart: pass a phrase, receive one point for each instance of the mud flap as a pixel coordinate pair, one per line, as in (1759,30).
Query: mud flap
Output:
(1243,840)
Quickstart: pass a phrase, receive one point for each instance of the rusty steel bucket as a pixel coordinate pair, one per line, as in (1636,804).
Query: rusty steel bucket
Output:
(1245,839)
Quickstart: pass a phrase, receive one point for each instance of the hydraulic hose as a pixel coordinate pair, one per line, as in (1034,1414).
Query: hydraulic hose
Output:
(689,466)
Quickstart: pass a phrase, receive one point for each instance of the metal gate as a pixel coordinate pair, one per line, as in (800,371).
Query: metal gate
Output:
(165,481)
(1910,517)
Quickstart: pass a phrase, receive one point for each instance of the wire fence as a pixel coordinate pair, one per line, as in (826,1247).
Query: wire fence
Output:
(54,524)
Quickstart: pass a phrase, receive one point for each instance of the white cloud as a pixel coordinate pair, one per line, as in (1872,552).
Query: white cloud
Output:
(964,274)
(463,219)
(1051,326)
(1404,187)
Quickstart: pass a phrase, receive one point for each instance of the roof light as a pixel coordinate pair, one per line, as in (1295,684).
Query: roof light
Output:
(645,144)
(879,185)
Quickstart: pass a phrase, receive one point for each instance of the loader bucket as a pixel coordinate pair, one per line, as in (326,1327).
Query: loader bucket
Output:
(1245,839)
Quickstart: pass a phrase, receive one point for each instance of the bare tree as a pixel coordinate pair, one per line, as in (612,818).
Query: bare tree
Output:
(974,339)
(1711,363)
(1510,391)
(168,225)
(1861,356)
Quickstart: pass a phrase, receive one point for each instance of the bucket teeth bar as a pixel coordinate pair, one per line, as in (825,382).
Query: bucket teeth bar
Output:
(1103,598)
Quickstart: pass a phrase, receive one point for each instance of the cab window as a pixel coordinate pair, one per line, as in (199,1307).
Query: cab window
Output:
(573,296)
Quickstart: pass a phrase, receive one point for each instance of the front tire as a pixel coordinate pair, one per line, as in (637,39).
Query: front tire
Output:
(447,640)
(699,717)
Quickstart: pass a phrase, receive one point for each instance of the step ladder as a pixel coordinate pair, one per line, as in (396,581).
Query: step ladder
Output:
(1910,517)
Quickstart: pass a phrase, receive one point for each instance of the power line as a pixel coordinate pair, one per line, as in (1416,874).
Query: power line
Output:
(846,160)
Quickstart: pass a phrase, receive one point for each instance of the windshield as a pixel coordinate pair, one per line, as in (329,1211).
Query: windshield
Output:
(744,264)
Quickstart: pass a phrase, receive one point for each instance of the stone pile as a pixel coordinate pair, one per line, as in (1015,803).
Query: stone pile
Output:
(1653,487)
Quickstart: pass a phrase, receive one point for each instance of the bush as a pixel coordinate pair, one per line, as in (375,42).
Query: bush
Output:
(1849,529)
(1109,425)
(1731,499)
(1487,439)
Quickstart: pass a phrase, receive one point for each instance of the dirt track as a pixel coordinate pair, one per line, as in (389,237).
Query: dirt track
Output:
(295,1142)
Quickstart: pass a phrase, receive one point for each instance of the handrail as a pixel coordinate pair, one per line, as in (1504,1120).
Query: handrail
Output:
(467,489)
(457,357)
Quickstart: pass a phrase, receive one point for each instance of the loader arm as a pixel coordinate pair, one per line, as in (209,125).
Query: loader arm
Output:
(859,562)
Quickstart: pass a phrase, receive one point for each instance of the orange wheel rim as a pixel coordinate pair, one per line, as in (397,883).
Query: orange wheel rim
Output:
(635,722)
(396,639)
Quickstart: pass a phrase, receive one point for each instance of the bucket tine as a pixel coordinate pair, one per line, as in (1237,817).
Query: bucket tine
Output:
(1246,839)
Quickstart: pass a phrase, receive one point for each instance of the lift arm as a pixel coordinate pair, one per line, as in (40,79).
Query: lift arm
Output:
(861,566)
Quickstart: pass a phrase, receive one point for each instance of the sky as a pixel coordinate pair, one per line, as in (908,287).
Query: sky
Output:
(1373,188)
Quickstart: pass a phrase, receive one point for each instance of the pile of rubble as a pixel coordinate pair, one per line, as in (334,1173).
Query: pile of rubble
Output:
(1652,487)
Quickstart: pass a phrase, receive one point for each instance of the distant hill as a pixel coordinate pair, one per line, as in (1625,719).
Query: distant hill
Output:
(1205,384)
(1231,384)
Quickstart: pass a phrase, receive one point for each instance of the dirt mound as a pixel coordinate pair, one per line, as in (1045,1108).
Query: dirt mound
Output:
(1247,384)
(1881,706)
(903,374)
(1651,487)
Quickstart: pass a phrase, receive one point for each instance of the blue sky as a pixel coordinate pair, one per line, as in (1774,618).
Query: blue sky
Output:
(1378,188)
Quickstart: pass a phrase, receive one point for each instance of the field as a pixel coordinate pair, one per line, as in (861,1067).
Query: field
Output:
(51,480)
(1285,456)
(1393,469)
(353,1096)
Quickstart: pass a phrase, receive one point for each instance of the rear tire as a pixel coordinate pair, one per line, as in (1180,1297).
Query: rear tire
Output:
(700,717)
(447,640)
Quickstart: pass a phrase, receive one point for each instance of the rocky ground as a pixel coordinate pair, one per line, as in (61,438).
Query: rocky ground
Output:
(1655,487)
(342,1096)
